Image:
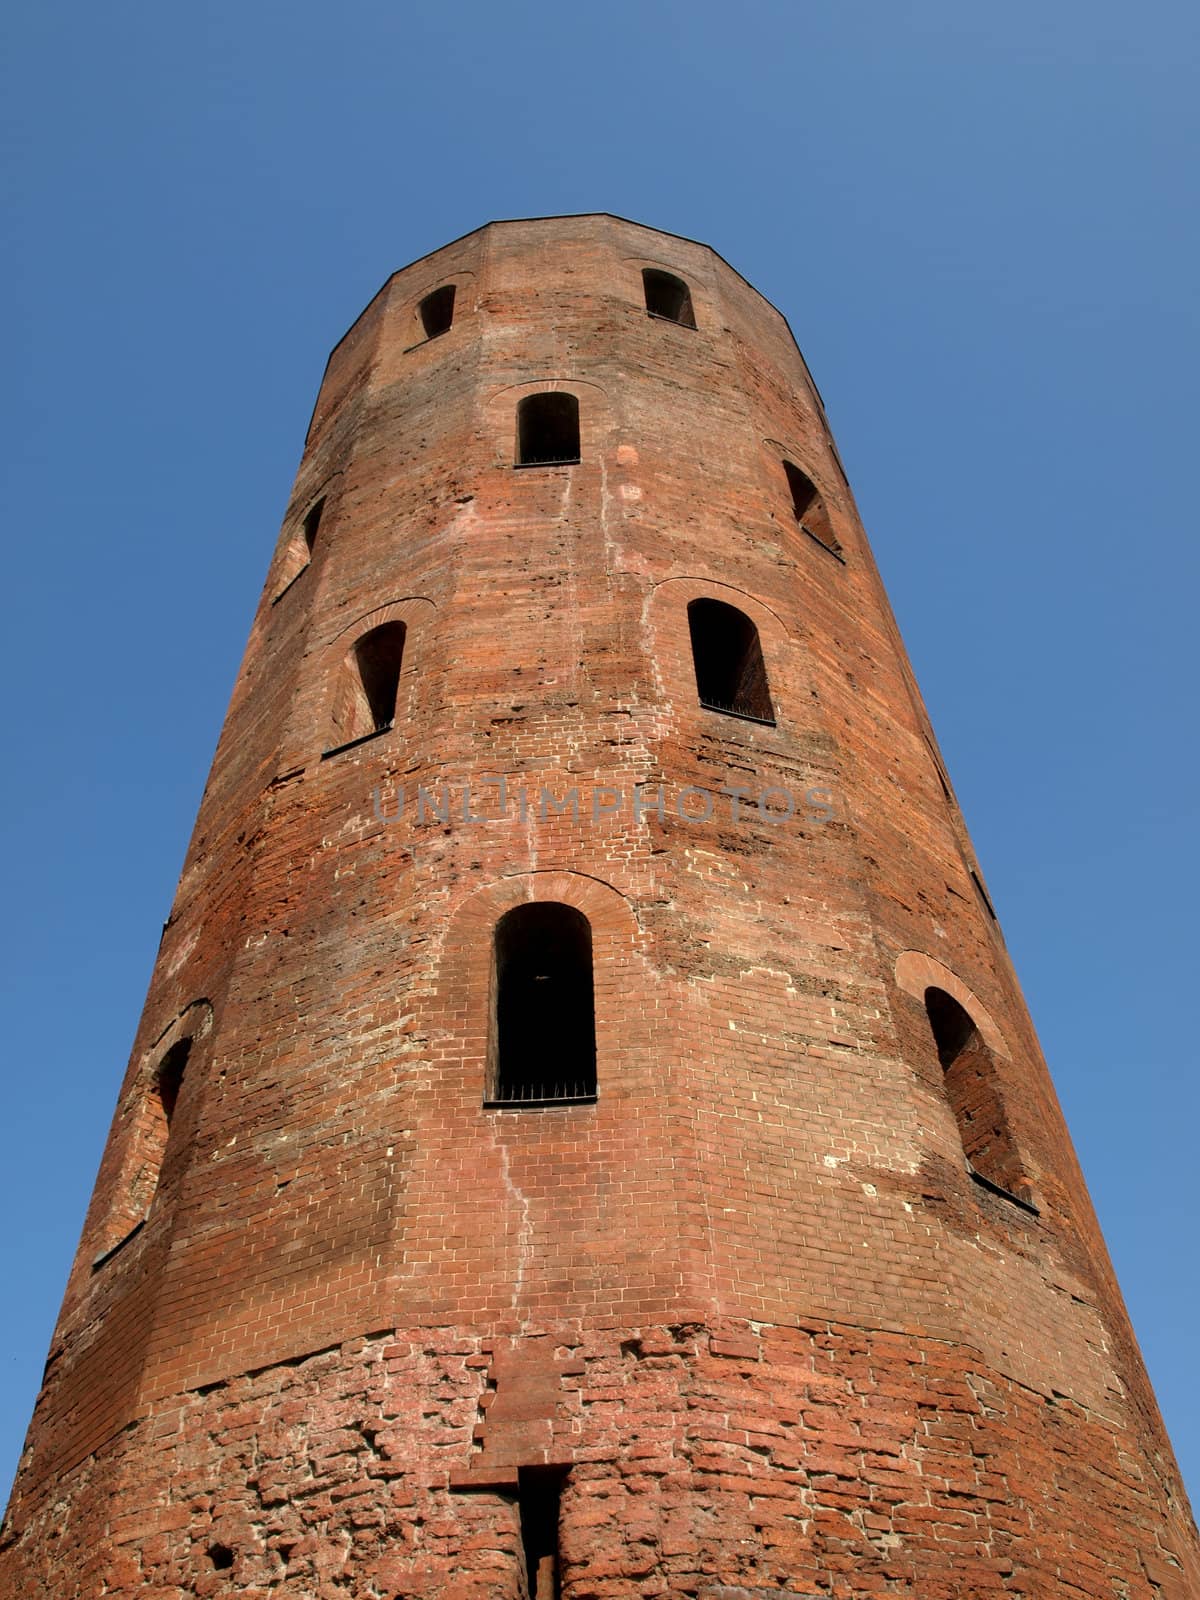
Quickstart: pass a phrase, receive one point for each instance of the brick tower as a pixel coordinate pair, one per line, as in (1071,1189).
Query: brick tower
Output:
(585,1137)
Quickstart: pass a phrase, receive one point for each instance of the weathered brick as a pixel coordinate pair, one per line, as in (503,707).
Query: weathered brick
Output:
(748,1307)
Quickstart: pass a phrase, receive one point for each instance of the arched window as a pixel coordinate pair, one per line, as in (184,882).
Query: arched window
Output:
(973,1090)
(169,1078)
(809,509)
(668,297)
(379,655)
(437,311)
(731,675)
(543,1047)
(365,701)
(548,430)
(144,1158)
(153,1131)
(298,551)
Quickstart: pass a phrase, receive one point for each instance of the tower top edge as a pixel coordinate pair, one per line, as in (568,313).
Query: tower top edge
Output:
(570,216)
(575,216)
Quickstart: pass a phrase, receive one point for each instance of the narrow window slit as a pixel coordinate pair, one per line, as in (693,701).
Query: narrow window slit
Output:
(539,1495)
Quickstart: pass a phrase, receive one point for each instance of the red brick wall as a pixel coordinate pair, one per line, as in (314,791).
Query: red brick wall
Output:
(751,1300)
(816,1459)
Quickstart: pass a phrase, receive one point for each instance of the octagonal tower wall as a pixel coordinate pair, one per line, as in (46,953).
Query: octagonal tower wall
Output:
(747,1313)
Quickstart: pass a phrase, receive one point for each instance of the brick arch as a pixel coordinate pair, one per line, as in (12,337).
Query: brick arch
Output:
(406,610)
(326,486)
(916,972)
(518,391)
(466,963)
(764,617)
(603,906)
(800,457)
(193,1022)
(690,275)
(135,1166)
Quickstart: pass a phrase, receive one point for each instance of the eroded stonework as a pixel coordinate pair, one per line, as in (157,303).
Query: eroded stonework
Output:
(731,1461)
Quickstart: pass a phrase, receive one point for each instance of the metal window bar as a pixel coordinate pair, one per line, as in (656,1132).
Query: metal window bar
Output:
(993,1187)
(336,749)
(834,550)
(575,1092)
(737,711)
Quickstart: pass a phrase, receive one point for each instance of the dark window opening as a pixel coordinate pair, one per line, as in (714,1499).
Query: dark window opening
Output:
(364,701)
(539,1495)
(147,1153)
(378,656)
(809,508)
(169,1078)
(437,311)
(548,430)
(221,1556)
(804,490)
(731,675)
(312,522)
(973,1090)
(544,1034)
(668,297)
(298,551)
(158,1116)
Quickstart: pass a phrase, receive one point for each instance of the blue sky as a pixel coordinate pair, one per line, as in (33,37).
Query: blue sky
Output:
(982,225)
